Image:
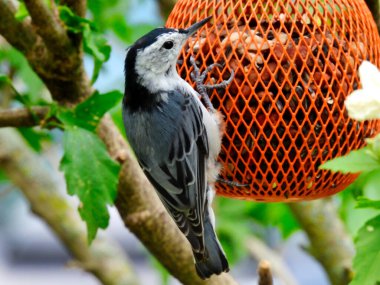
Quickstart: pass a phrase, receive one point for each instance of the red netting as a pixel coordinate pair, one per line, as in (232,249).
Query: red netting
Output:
(295,61)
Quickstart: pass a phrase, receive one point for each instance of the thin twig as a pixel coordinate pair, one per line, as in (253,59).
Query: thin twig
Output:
(260,251)
(23,117)
(265,274)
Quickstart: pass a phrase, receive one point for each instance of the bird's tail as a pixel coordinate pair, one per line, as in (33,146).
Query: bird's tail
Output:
(214,260)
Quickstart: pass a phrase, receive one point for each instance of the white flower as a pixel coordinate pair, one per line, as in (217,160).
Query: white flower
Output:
(364,104)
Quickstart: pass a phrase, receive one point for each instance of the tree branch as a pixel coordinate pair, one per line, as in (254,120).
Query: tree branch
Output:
(330,244)
(23,117)
(64,75)
(144,215)
(18,34)
(49,27)
(36,181)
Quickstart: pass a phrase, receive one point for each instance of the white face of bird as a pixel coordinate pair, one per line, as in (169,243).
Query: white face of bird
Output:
(154,57)
(160,57)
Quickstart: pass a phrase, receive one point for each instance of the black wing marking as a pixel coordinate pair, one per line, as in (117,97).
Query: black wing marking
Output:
(181,180)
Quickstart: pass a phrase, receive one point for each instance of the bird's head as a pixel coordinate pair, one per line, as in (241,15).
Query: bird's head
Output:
(155,54)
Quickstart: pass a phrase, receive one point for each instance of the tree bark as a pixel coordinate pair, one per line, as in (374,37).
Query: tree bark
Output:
(23,117)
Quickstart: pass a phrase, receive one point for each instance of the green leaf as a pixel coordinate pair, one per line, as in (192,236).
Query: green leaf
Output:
(367,258)
(356,188)
(91,175)
(34,138)
(367,184)
(356,161)
(373,145)
(73,22)
(363,202)
(88,113)
(353,218)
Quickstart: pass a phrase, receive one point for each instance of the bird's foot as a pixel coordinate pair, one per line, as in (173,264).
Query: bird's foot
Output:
(231,183)
(202,88)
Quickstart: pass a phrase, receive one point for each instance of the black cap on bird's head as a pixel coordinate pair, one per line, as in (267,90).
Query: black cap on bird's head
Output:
(152,59)
(159,49)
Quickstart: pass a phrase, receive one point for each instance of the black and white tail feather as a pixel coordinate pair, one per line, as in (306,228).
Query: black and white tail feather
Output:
(176,140)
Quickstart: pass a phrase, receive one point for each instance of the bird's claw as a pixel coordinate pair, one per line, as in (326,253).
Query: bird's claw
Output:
(202,88)
(231,183)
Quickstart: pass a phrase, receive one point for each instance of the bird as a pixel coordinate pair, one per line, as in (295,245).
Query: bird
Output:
(176,139)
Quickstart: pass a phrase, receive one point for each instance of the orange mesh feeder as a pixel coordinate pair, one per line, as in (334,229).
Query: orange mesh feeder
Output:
(295,61)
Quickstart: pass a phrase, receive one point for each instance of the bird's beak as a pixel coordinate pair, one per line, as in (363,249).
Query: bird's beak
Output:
(195,27)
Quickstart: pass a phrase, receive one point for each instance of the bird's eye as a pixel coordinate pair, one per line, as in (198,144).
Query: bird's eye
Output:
(168,45)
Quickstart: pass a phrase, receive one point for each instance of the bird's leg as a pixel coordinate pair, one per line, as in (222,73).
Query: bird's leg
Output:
(202,88)
(231,183)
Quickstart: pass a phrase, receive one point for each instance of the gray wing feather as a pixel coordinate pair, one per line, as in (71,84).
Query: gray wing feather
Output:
(181,180)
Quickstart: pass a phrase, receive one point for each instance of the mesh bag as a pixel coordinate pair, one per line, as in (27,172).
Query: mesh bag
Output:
(295,61)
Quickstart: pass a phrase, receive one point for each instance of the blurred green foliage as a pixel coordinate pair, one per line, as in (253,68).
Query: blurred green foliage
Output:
(238,219)
(14,65)
(3,177)
(36,137)
(110,16)
(367,259)
(365,191)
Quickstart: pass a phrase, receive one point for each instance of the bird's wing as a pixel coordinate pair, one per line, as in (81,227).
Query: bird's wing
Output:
(181,179)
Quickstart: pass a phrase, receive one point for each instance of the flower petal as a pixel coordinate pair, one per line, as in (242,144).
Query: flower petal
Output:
(363,105)
(369,76)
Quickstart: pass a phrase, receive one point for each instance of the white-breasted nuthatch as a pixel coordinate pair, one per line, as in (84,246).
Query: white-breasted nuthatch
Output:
(175,138)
